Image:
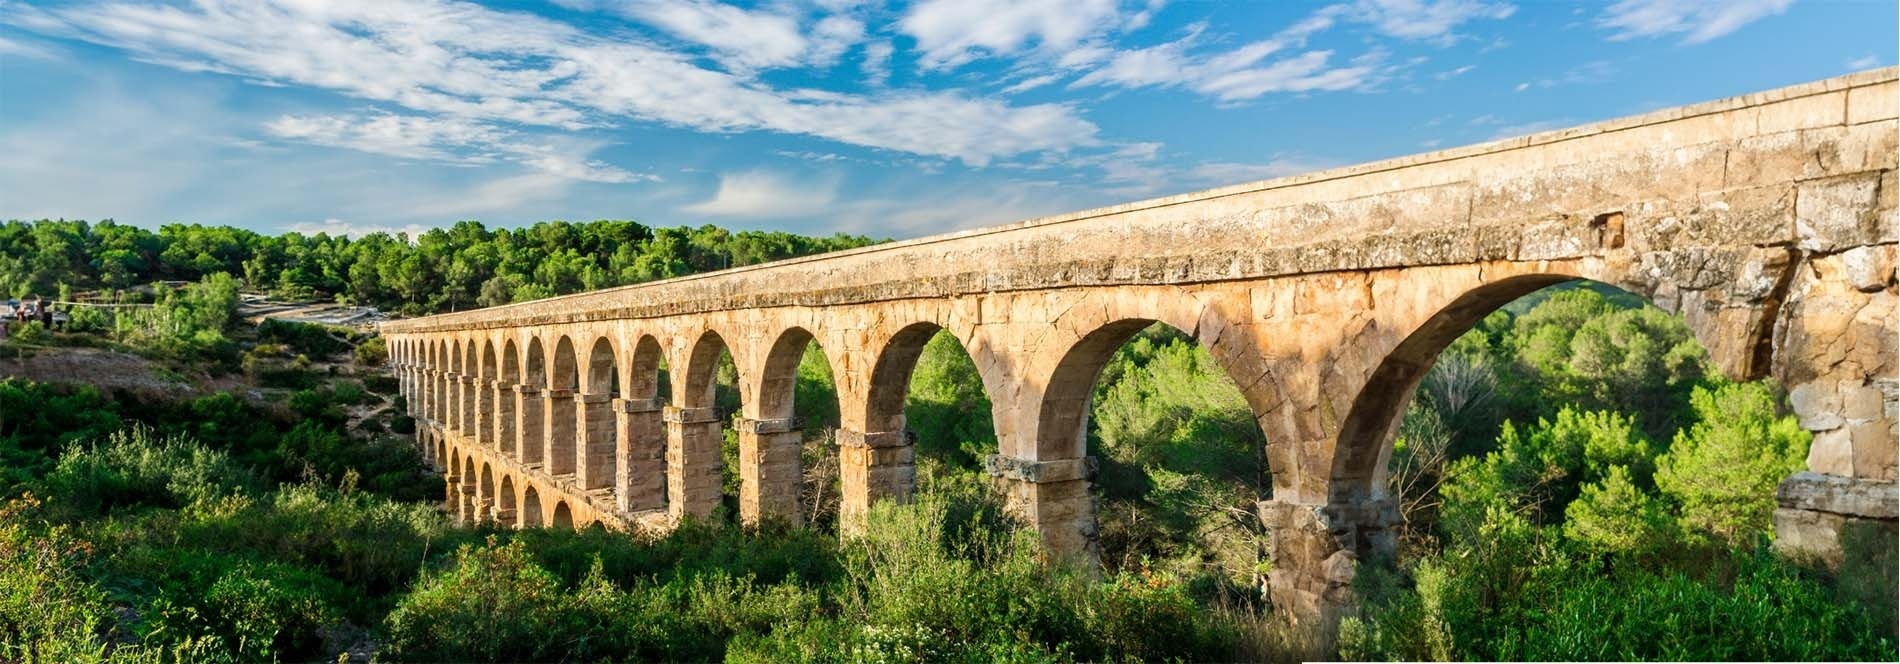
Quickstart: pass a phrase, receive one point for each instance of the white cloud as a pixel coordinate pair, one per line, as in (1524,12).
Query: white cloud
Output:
(1697,20)
(336,227)
(877,62)
(740,37)
(1454,73)
(1251,70)
(1232,76)
(457,59)
(953,32)
(449,140)
(443,139)
(764,194)
(26,49)
(1588,73)
(1868,61)
(1424,19)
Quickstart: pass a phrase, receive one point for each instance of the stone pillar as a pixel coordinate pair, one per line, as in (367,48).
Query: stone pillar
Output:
(481,424)
(1835,351)
(693,482)
(594,428)
(428,395)
(452,402)
(1312,553)
(558,417)
(1053,496)
(505,426)
(871,467)
(770,473)
(640,482)
(530,425)
(452,493)
(465,421)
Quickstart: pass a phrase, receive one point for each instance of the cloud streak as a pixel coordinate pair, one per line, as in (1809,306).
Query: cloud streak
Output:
(461,60)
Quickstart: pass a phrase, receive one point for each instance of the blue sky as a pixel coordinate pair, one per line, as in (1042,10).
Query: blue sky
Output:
(814,116)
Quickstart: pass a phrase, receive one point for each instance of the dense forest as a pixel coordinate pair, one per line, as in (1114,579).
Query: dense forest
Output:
(1575,482)
(444,269)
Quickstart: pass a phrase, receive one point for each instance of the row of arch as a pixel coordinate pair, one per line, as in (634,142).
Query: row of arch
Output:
(483,491)
(587,404)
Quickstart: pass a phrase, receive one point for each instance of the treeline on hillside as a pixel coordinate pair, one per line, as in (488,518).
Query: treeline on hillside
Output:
(466,265)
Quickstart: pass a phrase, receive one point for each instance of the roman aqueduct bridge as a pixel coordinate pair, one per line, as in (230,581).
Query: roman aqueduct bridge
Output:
(1767,222)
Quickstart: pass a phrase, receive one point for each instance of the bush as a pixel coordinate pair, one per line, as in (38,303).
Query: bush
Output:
(135,467)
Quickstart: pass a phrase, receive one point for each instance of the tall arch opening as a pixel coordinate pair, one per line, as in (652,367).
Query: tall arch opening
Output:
(531,508)
(485,495)
(926,422)
(559,420)
(507,510)
(467,385)
(786,442)
(563,516)
(486,396)
(699,477)
(1179,455)
(641,427)
(595,424)
(1552,429)
(507,402)
(531,419)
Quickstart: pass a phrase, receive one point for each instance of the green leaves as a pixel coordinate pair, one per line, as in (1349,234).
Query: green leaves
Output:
(1723,469)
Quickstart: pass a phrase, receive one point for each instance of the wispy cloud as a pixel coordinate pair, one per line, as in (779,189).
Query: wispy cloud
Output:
(1588,73)
(450,140)
(953,32)
(463,60)
(763,194)
(1278,64)
(1697,21)
(1868,61)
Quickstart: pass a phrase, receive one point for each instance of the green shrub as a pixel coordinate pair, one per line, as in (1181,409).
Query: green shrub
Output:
(136,467)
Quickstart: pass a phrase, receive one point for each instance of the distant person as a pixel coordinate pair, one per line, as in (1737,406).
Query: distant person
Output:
(46,316)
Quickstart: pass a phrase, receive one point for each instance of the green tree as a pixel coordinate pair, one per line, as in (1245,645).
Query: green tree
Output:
(1724,468)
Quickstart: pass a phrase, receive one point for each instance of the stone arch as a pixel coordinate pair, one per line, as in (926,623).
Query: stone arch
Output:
(534,364)
(1062,417)
(1364,441)
(640,483)
(506,506)
(466,387)
(465,498)
(702,367)
(563,381)
(595,425)
(485,397)
(507,400)
(530,507)
(777,382)
(602,375)
(563,516)
(890,376)
(485,494)
(532,420)
(641,380)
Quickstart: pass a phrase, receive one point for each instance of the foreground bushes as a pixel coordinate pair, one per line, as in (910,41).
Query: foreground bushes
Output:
(918,586)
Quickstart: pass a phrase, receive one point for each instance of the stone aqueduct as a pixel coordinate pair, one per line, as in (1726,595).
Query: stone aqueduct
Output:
(1768,222)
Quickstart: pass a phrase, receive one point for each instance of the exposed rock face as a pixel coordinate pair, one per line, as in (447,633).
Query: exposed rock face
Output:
(1768,222)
